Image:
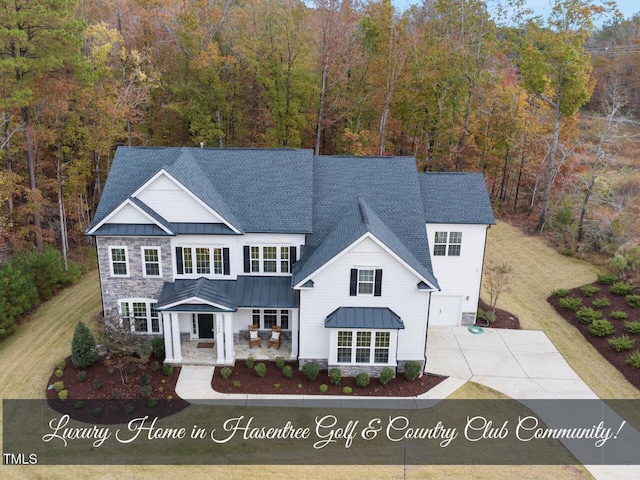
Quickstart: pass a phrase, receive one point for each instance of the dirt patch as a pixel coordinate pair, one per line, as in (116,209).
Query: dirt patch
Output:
(84,398)
(601,344)
(274,382)
(504,319)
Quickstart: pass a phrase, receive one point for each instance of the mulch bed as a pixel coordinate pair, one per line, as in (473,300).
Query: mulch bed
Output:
(618,302)
(275,383)
(504,319)
(113,411)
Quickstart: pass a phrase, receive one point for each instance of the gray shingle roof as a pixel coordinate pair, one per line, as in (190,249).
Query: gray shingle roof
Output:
(363,317)
(456,198)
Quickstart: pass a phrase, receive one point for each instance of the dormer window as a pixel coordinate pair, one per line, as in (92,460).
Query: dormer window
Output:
(447,244)
(365,281)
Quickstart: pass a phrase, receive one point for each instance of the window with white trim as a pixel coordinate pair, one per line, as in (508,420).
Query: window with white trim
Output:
(447,244)
(140,315)
(268,317)
(202,260)
(151,262)
(119,261)
(363,346)
(365,282)
(269,259)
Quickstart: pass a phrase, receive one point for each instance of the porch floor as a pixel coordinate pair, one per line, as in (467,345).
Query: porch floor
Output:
(192,355)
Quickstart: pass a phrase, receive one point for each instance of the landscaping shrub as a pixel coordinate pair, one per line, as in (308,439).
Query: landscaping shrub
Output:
(83,347)
(115,394)
(287,371)
(167,369)
(559,293)
(607,278)
(323,388)
(157,347)
(154,366)
(588,315)
(601,303)
(236,383)
(78,405)
(412,370)
(279,362)
(619,315)
(58,386)
(386,375)
(97,412)
(632,327)
(601,328)
(58,373)
(634,359)
(571,303)
(622,343)
(132,369)
(347,390)
(225,372)
(589,290)
(63,394)
(128,408)
(489,317)
(60,364)
(311,370)
(152,402)
(260,369)
(633,301)
(335,375)
(621,288)
(145,379)
(249,362)
(82,376)
(97,384)
(145,391)
(363,379)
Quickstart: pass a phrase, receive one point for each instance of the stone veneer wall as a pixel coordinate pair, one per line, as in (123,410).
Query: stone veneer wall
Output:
(135,285)
(468,318)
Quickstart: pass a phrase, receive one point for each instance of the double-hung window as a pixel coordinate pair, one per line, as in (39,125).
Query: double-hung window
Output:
(119,261)
(200,260)
(365,281)
(363,346)
(268,259)
(269,317)
(447,244)
(140,315)
(151,262)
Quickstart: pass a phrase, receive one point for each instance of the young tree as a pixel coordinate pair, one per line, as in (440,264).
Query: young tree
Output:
(83,347)
(495,280)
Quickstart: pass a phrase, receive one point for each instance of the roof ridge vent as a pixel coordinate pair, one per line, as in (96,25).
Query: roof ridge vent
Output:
(363,212)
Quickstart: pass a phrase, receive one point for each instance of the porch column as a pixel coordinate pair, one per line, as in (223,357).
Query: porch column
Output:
(220,338)
(228,338)
(295,314)
(166,330)
(175,336)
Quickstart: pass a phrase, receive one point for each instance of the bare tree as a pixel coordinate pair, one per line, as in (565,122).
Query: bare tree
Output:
(496,278)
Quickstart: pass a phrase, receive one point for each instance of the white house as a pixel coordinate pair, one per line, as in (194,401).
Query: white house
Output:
(351,256)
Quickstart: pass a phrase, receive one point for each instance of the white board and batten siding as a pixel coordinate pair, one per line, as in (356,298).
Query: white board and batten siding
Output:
(459,277)
(331,291)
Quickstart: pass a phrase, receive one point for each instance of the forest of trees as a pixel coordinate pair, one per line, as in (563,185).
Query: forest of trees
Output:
(537,104)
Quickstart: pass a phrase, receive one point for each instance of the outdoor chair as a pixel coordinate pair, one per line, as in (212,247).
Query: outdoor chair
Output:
(274,339)
(254,338)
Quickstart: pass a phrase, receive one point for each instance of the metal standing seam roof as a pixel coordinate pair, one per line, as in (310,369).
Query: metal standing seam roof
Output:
(363,317)
(130,229)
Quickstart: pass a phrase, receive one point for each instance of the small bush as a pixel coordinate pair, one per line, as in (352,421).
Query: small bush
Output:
(287,371)
(60,364)
(63,394)
(607,278)
(601,328)
(58,386)
(621,288)
(78,405)
(167,369)
(132,369)
(601,302)
(260,369)
(83,347)
(347,390)
(170,398)
(276,386)
(154,366)
(363,379)
(145,379)
(632,327)
(97,384)
(634,359)
(311,370)
(82,376)
(157,347)
(571,303)
(559,293)
(412,370)
(145,391)
(279,362)
(589,290)
(115,394)
(386,375)
(97,412)
(323,388)
(58,373)
(489,317)
(622,343)
(152,402)
(128,408)
(619,315)
(588,315)
(249,362)
(633,301)
(225,372)
(335,375)
(236,383)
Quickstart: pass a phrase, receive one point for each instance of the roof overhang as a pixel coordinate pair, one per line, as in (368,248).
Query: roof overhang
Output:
(364,317)
(128,202)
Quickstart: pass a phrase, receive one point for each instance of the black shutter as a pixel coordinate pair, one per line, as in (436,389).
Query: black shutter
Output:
(179,265)
(377,287)
(293,253)
(247,260)
(353,284)
(225,261)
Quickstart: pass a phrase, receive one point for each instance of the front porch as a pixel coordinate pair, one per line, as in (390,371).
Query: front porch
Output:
(192,354)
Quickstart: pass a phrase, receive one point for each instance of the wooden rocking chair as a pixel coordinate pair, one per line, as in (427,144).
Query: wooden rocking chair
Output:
(274,339)
(254,338)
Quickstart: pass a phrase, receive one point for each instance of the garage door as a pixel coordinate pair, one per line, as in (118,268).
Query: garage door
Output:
(445,310)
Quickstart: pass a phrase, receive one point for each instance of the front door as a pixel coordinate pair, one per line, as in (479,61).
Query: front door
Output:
(205,325)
